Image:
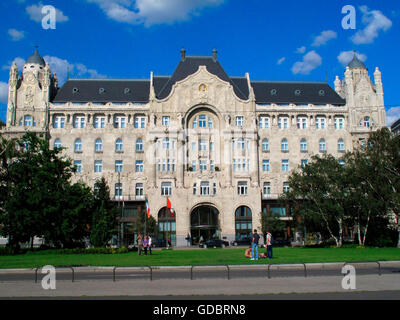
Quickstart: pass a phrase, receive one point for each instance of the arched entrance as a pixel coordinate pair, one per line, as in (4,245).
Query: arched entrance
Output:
(166,226)
(204,223)
(243,222)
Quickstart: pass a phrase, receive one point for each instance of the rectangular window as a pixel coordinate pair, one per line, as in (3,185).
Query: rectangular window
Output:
(139,166)
(304,163)
(267,188)
(202,121)
(320,123)
(79,122)
(194,146)
(98,166)
(59,122)
(239,121)
(203,165)
(242,188)
(166,188)
(283,123)
(140,122)
(285,165)
(78,166)
(119,122)
(339,123)
(266,166)
(264,122)
(194,165)
(165,120)
(99,122)
(212,165)
(118,190)
(286,187)
(211,146)
(27,121)
(139,190)
(119,166)
(203,145)
(301,123)
(204,189)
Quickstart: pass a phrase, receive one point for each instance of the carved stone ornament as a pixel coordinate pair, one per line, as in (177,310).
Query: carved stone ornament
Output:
(29,95)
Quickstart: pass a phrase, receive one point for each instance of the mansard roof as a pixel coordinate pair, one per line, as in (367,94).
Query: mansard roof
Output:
(296,93)
(103,91)
(122,91)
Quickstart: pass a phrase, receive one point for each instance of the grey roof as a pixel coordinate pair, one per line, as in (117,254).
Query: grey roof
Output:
(119,91)
(122,91)
(189,66)
(36,58)
(356,63)
(296,93)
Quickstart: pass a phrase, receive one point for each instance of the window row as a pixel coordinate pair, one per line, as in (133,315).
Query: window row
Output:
(80,121)
(27,121)
(265,145)
(98,145)
(302,122)
(119,166)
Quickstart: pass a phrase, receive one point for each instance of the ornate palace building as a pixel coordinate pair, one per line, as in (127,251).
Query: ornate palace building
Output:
(221,148)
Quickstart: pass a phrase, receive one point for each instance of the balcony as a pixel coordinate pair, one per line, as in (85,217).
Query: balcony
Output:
(270,196)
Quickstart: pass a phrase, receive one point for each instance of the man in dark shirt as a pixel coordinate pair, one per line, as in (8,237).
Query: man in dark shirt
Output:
(254,245)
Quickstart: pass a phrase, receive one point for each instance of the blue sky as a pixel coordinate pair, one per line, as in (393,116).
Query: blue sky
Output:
(289,40)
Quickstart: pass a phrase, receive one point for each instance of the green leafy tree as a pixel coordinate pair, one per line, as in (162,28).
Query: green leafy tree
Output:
(320,189)
(41,200)
(104,220)
(272,223)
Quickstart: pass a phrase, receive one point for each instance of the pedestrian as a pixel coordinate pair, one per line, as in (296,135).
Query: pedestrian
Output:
(188,239)
(140,244)
(145,244)
(150,243)
(269,245)
(254,245)
(169,243)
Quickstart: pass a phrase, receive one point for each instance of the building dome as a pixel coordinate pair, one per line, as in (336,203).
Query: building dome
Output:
(36,59)
(356,63)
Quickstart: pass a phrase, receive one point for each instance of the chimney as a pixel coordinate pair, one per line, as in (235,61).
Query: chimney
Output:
(183,54)
(214,52)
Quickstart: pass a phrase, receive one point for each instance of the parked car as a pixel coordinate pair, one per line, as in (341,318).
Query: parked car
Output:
(160,243)
(242,242)
(214,243)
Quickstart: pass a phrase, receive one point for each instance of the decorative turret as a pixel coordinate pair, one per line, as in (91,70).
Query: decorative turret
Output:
(356,63)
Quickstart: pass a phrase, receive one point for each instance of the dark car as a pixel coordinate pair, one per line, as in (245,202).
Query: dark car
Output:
(242,242)
(214,243)
(160,243)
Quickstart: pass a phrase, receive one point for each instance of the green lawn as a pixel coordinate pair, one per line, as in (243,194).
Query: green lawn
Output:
(199,257)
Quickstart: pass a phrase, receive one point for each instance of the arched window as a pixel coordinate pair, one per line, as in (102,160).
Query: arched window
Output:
(28,121)
(243,222)
(367,122)
(322,145)
(341,147)
(265,145)
(303,145)
(139,145)
(284,145)
(119,146)
(57,144)
(78,145)
(98,145)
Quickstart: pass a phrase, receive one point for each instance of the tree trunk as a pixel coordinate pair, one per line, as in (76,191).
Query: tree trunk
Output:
(365,232)
(359,233)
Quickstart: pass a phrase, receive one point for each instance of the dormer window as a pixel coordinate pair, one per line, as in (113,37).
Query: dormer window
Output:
(102,90)
(75,90)
(127,91)
(321,93)
(297,92)
(273,92)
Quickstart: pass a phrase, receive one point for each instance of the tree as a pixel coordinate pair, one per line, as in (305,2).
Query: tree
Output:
(320,189)
(41,200)
(104,220)
(272,223)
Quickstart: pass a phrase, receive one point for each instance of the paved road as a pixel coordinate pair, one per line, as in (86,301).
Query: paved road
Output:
(197,273)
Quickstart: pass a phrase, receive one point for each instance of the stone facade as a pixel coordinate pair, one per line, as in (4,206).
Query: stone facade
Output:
(208,139)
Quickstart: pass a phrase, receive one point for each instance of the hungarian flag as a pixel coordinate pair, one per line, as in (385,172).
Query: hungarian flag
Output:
(169,206)
(147,208)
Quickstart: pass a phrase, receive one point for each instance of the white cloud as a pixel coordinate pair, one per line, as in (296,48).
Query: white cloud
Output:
(301,50)
(346,56)
(16,35)
(3,92)
(35,13)
(311,61)
(324,37)
(150,12)
(19,61)
(392,115)
(375,21)
(61,67)
(281,60)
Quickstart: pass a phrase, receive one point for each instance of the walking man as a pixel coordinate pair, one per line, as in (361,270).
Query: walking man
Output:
(254,245)
(150,243)
(140,244)
(269,245)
